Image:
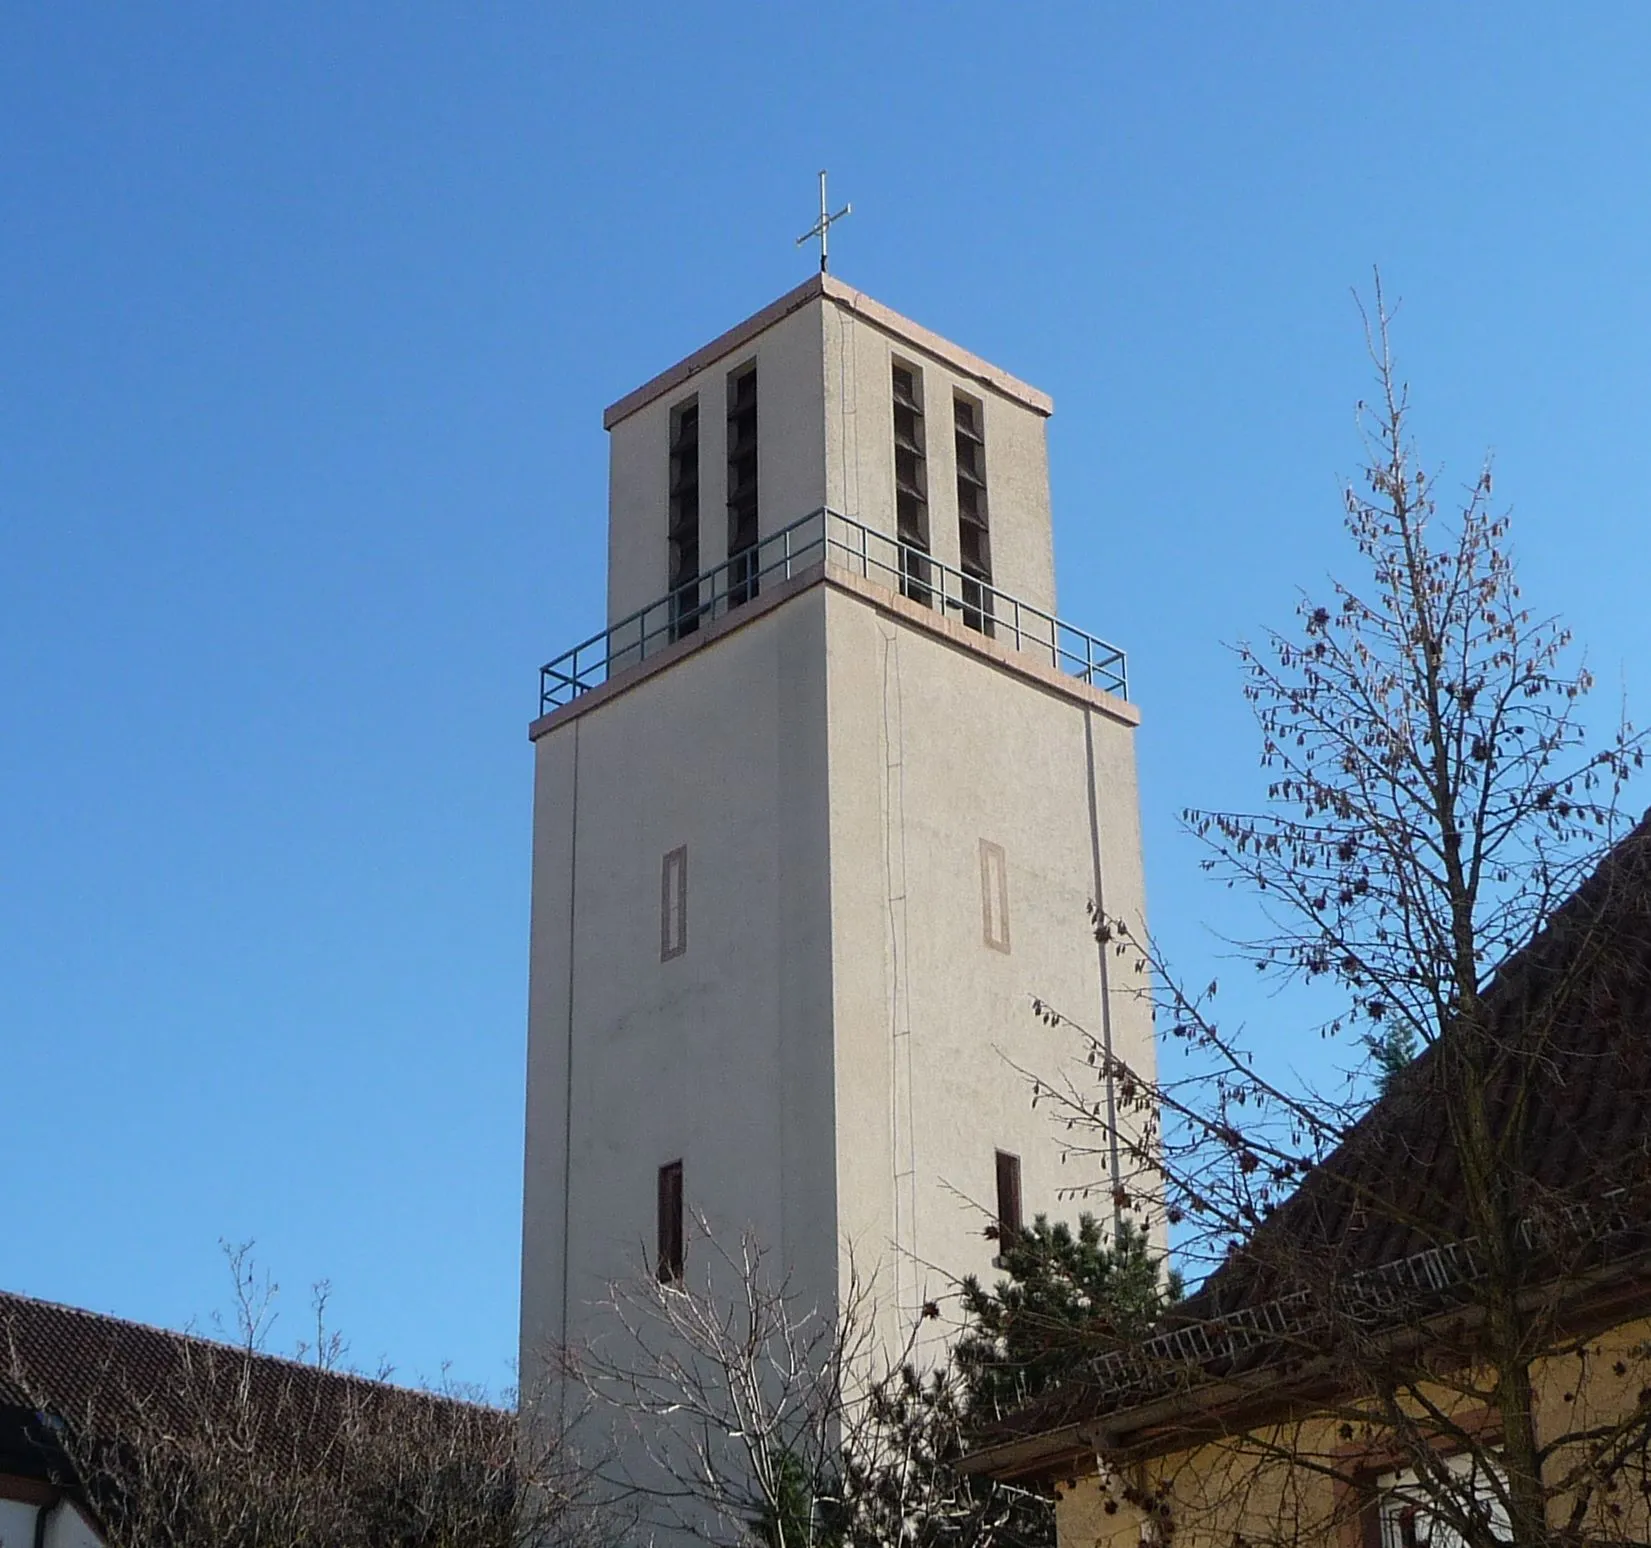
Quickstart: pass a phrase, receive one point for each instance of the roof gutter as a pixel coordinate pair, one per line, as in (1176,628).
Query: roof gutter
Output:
(1615,1293)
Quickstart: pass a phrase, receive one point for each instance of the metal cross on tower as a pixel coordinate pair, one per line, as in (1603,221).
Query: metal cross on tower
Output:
(822,227)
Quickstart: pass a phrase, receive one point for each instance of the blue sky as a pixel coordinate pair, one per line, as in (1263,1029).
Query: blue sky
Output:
(307,318)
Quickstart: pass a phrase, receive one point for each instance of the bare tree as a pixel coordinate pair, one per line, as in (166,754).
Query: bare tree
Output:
(1436,862)
(754,1414)
(177,1441)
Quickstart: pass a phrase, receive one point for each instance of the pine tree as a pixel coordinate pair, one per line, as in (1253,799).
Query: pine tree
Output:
(1066,1295)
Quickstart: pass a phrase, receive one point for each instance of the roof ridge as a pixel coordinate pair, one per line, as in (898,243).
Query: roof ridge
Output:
(111,1321)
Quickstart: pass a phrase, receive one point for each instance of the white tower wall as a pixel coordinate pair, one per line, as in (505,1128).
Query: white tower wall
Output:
(720,1057)
(790,451)
(824,355)
(861,342)
(833,1057)
(839,1053)
(936,746)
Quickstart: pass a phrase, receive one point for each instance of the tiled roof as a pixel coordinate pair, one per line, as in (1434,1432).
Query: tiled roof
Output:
(1383,1215)
(65,1363)
(1568,1097)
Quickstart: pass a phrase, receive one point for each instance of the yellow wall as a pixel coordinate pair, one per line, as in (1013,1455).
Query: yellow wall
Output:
(1289,1483)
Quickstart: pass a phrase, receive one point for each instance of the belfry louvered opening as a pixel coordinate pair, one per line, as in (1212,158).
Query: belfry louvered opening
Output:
(911,484)
(683,527)
(973,536)
(742,486)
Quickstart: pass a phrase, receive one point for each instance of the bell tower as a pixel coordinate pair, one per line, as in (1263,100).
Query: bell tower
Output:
(816,814)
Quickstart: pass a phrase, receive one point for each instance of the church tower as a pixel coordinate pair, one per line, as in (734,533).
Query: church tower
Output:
(815,816)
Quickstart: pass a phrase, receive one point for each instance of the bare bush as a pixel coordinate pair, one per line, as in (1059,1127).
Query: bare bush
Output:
(754,1415)
(184,1442)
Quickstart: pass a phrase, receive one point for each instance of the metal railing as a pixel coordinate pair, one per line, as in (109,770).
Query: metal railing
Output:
(1414,1286)
(826,537)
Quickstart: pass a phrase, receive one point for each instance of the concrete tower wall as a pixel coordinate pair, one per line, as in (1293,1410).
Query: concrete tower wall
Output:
(934,749)
(861,344)
(720,1057)
(824,356)
(790,453)
(892,823)
(834,1057)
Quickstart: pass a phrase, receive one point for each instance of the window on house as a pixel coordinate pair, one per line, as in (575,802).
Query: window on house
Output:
(684,519)
(742,486)
(670,1259)
(974,540)
(1408,1506)
(911,484)
(994,896)
(1008,1198)
(673,904)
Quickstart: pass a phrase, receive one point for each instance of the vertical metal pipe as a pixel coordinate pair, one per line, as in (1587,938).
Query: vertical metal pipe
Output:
(1113,1160)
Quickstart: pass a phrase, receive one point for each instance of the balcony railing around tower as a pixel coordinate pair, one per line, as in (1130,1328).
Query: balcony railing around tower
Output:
(827,537)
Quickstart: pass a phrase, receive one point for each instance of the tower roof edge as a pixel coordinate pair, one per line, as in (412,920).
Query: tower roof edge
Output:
(827,287)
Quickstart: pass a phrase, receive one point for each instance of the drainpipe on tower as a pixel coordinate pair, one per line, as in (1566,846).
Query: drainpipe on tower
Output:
(1114,1161)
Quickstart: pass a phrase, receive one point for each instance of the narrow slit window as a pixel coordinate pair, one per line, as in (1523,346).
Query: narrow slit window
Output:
(669,1262)
(684,519)
(911,485)
(1008,1198)
(673,904)
(973,537)
(994,896)
(742,486)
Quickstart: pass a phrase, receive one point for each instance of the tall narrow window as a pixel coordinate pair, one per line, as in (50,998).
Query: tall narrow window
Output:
(673,904)
(1008,1198)
(973,539)
(911,484)
(684,519)
(742,486)
(994,896)
(669,1263)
